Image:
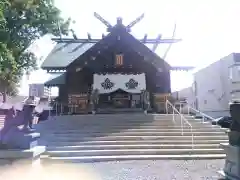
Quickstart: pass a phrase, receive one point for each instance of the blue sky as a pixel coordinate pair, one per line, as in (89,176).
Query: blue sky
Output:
(209,29)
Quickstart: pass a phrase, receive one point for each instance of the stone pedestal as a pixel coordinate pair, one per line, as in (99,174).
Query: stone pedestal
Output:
(234,138)
(27,157)
(232,162)
(19,140)
(21,164)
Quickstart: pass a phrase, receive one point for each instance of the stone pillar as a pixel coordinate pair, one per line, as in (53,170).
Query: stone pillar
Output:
(232,163)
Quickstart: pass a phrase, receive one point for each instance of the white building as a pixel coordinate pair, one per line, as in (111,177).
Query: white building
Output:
(186,94)
(39,90)
(215,86)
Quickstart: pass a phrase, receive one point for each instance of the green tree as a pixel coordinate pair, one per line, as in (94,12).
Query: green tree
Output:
(21,23)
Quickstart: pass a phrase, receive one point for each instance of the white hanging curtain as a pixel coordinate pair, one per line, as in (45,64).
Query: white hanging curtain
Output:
(111,82)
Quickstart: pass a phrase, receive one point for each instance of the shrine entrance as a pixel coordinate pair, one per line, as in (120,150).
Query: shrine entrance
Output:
(120,91)
(120,100)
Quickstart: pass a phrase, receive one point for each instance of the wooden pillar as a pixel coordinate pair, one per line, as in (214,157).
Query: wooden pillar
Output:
(160,102)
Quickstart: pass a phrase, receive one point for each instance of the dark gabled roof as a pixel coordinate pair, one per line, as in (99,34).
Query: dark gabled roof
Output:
(138,46)
(56,79)
(134,44)
(64,53)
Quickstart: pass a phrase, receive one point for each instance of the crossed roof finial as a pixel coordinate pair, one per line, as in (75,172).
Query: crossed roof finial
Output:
(119,22)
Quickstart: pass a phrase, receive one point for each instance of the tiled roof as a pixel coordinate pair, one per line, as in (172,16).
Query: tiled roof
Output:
(56,79)
(65,53)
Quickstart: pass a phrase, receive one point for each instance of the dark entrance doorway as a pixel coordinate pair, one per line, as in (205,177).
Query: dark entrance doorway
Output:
(119,100)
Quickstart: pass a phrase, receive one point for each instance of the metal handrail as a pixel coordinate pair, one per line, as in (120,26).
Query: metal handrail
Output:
(182,118)
(201,113)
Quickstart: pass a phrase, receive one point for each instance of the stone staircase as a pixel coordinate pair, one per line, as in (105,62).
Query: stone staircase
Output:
(129,136)
(2,118)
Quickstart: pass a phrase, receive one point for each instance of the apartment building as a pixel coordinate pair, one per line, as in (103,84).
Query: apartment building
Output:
(215,86)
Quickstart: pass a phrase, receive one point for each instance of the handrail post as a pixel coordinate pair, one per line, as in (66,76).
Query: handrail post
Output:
(56,109)
(181,125)
(166,106)
(61,108)
(173,115)
(192,139)
(49,112)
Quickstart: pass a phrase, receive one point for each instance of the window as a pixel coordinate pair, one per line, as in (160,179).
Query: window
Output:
(194,87)
(238,71)
(234,73)
(231,73)
(205,101)
(33,92)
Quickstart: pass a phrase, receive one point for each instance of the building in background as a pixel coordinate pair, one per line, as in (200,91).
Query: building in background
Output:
(215,86)
(186,95)
(39,90)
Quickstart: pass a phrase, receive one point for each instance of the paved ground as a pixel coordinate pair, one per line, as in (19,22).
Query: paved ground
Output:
(124,170)
(159,170)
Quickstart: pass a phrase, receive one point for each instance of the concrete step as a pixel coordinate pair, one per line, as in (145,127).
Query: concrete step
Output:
(136,142)
(126,133)
(107,152)
(102,116)
(70,132)
(77,131)
(127,118)
(116,129)
(197,124)
(76,126)
(119,121)
(81,159)
(125,126)
(130,117)
(133,137)
(132,146)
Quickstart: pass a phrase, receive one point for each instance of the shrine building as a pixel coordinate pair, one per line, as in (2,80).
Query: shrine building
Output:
(118,65)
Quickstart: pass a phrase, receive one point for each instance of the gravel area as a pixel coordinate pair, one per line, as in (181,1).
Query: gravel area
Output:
(159,170)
